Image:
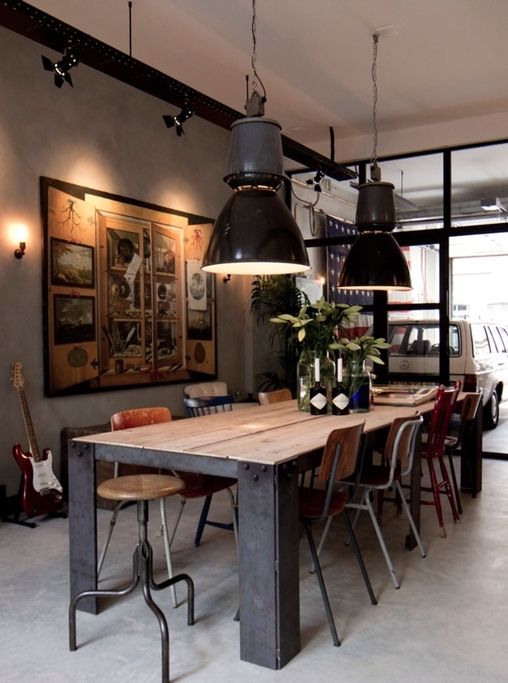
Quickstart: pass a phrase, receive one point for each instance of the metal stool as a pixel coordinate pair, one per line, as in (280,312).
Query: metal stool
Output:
(140,488)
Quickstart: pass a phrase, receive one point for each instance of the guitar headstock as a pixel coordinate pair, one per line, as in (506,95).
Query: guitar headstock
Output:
(17,375)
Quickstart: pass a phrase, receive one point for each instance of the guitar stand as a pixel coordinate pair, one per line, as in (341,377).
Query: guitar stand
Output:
(14,518)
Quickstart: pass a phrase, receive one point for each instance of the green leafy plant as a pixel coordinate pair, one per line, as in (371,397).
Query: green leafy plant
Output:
(316,327)
(356,351)
(271,294)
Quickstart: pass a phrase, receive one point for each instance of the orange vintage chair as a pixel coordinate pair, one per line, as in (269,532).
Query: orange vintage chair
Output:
(316,505)
(125,419)
(276,396)
(433,451)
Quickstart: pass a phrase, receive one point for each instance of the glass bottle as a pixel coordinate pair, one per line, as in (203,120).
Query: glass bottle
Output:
(358,385)
(340,399)
(318,402)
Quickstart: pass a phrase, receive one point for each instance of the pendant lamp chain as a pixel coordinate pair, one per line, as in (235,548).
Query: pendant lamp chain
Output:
(375,172)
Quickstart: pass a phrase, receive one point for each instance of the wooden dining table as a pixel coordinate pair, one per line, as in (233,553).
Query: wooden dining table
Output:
(265,448)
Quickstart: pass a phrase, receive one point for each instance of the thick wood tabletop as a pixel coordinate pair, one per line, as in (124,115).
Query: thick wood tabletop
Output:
(269,435)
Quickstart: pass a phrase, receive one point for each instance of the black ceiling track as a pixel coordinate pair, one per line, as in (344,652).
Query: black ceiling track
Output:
(43,28)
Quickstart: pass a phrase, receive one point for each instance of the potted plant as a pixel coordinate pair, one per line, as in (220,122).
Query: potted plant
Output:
(313,331)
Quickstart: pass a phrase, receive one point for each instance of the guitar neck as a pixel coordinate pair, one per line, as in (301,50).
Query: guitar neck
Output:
(32,440)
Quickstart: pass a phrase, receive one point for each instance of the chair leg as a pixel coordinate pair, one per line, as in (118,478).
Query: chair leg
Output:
(105,547)
(448,489)
(202,520)
(436,495)
(234,515)
(167,547)
(324,594)
(456,489)
(381,539)
(359,557)
(410,519)
(177,522)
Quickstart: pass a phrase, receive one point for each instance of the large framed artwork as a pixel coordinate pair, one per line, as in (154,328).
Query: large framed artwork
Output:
(126,303)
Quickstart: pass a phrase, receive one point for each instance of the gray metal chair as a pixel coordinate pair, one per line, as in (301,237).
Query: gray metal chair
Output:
(397,463)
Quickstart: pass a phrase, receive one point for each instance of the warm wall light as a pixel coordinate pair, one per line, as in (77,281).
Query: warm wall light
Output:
(19,233)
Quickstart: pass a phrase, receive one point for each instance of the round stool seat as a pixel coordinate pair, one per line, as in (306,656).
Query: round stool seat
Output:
(140,487)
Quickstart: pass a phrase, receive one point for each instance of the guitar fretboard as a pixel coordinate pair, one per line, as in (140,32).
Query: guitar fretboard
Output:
(34,447)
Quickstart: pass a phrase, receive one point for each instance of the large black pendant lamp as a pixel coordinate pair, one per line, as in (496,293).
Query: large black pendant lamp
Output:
(255,233)
(375,260)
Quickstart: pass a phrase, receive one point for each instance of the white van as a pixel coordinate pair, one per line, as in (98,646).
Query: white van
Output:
(478,357)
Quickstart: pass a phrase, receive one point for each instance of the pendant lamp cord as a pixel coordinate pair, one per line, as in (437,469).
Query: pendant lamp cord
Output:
(256,80)
(375,172)
(130,27)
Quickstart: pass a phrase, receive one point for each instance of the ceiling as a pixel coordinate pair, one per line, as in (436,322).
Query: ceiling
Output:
(439,63)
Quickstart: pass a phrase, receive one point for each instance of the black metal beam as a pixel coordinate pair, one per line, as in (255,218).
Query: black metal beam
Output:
(36,25)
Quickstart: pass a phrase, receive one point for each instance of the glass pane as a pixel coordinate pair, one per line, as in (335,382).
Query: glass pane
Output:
(478,267)
(418,185)
(423,262)
(479,186)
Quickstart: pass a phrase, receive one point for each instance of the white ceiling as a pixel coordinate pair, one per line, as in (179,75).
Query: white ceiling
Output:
(442,66)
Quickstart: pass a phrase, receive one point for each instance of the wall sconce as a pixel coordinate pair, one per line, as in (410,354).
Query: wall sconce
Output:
(18,234)
(20,251)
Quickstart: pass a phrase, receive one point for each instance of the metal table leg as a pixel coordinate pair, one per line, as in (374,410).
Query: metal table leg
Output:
(269,565)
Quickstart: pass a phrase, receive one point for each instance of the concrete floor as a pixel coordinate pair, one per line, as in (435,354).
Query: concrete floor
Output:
(496,440)
(447,623)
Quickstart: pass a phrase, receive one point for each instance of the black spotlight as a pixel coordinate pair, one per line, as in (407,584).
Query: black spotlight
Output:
(316,181)
(61,68)
(178,120)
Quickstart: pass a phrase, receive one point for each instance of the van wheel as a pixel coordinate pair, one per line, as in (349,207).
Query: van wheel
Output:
(491,412)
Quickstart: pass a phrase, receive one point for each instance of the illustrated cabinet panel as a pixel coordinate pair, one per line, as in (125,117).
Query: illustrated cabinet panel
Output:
(126,301)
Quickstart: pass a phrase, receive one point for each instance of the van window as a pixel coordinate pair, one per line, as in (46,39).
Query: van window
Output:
(480,341)
(497,331)
(421,339)
(492,340)
(504,335)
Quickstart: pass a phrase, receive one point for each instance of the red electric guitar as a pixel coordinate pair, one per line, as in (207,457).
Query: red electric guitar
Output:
(40,491)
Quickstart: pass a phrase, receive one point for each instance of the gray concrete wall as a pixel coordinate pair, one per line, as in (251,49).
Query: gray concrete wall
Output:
(104,135)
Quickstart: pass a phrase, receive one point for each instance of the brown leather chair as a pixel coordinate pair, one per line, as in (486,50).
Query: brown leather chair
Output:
(276,396)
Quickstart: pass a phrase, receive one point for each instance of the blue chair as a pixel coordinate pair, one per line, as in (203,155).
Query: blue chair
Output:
(205,485)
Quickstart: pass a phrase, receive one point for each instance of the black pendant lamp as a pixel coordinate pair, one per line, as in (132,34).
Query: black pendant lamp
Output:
(255,233)
(375,260)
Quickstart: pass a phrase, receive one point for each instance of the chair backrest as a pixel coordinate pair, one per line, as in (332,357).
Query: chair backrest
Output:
(207,405)
(277,396)
(470,406)
(206,389)
(139,417)
(440,418)
(340,454)
(401,443)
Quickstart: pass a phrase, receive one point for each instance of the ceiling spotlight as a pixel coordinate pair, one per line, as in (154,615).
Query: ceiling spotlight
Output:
(178,120)
(62,67)
(316,181)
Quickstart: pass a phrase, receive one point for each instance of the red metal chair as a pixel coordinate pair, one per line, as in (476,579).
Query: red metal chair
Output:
(433,449)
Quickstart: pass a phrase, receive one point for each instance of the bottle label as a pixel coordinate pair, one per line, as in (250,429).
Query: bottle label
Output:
(341,401)
(318,401)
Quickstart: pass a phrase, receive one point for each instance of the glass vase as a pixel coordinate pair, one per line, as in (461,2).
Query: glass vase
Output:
(305,378)
(357,383)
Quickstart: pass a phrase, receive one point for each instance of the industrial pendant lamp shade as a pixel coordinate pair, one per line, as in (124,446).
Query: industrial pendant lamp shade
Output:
(375,209)
(255,234)
(375,260)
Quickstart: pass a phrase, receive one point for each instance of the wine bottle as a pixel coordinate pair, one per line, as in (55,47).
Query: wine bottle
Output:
(318,402)
(340,400)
